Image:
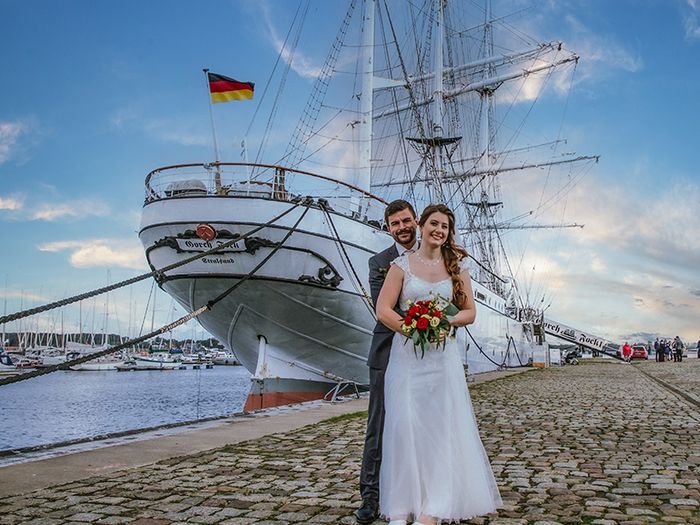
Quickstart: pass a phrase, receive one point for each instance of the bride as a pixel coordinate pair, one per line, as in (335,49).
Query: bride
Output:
(434,467)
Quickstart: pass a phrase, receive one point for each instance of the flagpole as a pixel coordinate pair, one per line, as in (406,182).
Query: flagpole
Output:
(244,154)
(217,175)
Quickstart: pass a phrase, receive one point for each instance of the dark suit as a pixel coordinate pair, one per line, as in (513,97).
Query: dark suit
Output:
(377,361)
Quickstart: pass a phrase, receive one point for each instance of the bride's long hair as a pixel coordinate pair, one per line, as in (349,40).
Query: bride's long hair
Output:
(451,252)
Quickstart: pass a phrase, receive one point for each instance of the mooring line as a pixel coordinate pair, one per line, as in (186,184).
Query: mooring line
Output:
(167,328)
(64,302)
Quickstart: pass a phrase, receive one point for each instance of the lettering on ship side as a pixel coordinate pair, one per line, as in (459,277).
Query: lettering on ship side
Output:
(217,260)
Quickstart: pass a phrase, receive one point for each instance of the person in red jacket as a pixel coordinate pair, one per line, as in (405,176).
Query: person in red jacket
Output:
(626,352)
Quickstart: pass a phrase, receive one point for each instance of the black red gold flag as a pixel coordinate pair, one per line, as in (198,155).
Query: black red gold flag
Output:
(225,89)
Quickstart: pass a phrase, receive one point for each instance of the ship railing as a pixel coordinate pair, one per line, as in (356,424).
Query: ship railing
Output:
(232,179)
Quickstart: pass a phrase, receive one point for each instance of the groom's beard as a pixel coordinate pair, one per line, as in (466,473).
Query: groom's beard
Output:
(405,237)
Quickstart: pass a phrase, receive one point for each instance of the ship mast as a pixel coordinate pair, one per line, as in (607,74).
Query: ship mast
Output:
(433,147)
(439,104)
(484,211)
(363,177)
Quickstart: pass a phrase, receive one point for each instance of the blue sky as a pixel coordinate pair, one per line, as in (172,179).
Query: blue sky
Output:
(97,94)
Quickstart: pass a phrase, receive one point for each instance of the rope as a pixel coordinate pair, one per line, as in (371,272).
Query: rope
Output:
(368,301)
(167,328)
(515,348)
(500,366)
(99,291)
(303,131)
(89,357)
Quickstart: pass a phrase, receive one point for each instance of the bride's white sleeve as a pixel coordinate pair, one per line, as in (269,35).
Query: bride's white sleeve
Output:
(402,262)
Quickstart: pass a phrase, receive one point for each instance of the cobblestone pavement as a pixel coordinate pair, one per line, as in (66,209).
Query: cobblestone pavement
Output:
(598,443)
(685,375)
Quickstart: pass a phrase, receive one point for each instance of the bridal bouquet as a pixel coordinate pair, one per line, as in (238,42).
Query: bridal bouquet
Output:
(426,322)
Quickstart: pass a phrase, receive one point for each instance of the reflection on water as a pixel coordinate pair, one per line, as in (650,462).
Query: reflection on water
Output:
(72,405)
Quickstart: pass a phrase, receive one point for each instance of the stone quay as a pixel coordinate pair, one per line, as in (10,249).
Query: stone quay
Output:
(599,443)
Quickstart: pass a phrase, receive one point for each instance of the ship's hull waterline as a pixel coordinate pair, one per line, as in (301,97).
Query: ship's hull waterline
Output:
(302,323)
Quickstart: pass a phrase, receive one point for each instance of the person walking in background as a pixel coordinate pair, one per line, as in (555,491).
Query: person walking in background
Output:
(698,347)
(626,352)
(677,349)
(657,351)
(672,346)
(400,219)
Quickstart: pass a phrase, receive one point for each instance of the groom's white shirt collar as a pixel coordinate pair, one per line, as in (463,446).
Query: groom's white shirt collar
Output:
(400,248)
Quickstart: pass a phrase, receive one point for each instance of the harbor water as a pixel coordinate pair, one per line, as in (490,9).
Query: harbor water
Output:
(64,406)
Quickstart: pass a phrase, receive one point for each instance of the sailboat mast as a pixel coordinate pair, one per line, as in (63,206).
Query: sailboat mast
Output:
(364,172)
(4,313)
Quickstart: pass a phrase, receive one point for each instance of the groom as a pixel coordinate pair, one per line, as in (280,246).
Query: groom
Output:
(400,218)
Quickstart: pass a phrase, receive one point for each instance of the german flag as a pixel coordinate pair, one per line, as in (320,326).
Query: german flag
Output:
(224,89)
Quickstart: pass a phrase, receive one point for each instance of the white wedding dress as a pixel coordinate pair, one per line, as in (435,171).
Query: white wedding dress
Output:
(433,461)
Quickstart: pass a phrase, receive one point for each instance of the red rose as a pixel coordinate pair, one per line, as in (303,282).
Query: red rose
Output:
(408,320)
(423,310)
(422,323)
(437,313)
(413,311)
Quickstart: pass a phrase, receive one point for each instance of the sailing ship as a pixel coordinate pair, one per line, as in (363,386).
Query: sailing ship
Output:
(418,122)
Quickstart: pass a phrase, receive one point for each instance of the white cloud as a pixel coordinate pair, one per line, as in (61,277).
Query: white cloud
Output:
(632,269)
(598,265)
(692,26)
(184,138)
(72,209)
(299,63)
(171,130)
(107,253)
(600,51)
(663,229)
(25,296)
(11,203)
(659,226)
(10,133)
(123,116)
(164,129)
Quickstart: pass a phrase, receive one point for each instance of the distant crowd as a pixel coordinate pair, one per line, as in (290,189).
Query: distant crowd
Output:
(671,349)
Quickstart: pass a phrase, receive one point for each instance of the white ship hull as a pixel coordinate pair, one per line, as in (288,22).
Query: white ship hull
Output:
(301,324)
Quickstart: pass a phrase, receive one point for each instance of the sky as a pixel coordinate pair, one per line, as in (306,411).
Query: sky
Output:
(95,94)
